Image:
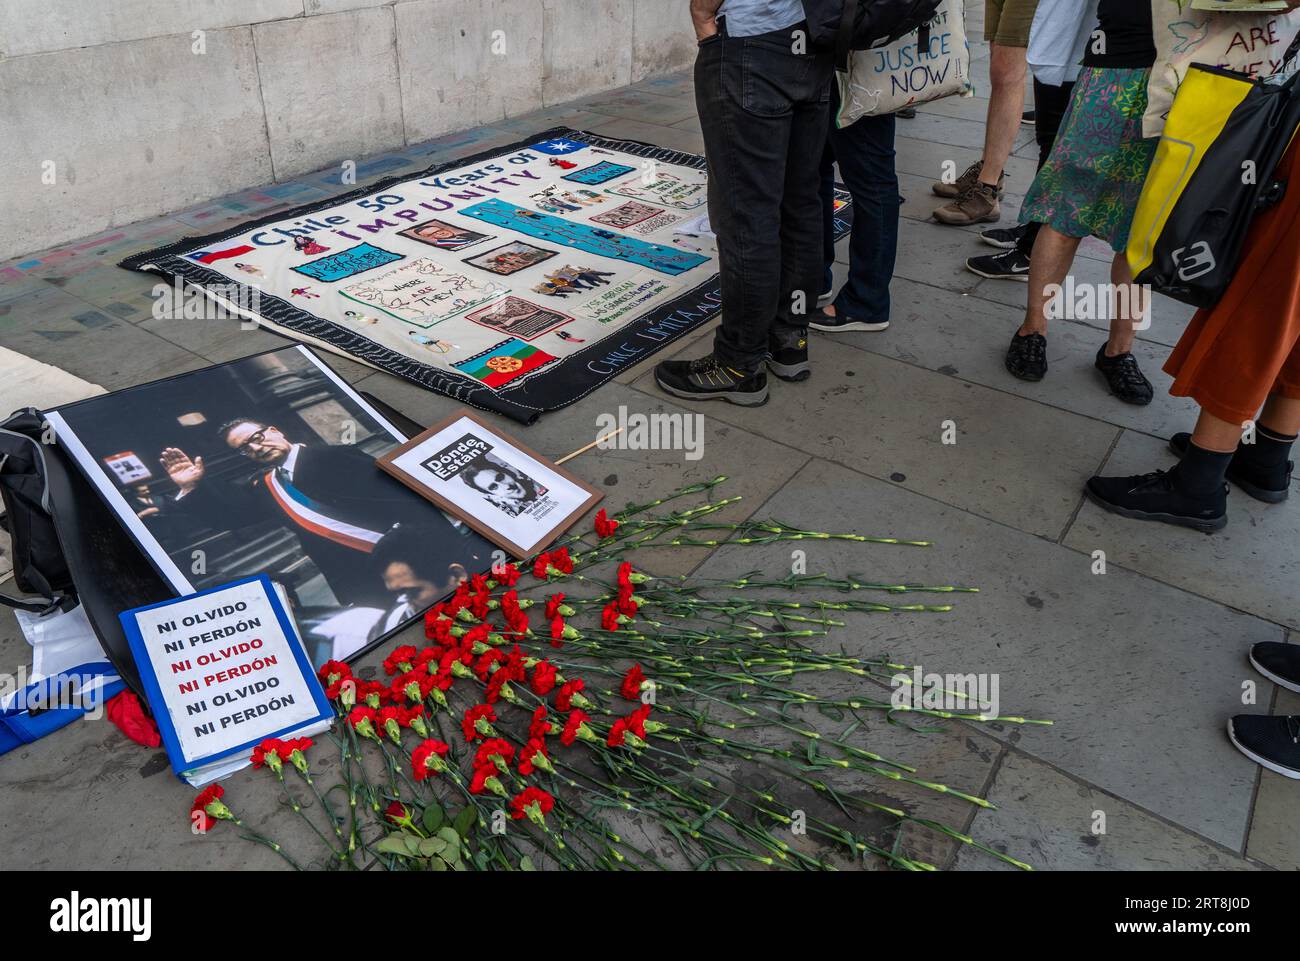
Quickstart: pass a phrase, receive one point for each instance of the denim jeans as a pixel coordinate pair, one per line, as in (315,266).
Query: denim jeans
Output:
(865,153)
(763,109)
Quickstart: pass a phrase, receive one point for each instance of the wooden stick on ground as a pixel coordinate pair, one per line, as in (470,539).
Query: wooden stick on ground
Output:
(595,443)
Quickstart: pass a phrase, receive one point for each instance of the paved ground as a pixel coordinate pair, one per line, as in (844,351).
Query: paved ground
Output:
(1139,666)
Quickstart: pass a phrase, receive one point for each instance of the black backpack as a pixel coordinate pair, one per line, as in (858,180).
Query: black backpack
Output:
(848,25)
(63,533)
(40,568)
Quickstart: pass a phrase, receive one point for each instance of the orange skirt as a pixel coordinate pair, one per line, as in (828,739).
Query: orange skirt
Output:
(1233,355)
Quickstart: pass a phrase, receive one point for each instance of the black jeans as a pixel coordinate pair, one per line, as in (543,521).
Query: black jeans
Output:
(865,152)
(1050,104)
(763,108)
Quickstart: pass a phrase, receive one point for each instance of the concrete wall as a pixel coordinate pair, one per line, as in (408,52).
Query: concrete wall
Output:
(116,110)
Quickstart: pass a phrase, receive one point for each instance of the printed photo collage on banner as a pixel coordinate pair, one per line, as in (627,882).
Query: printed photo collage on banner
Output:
(568,256)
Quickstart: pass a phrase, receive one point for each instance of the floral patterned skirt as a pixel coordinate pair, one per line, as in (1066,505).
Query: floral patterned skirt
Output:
(1091,183)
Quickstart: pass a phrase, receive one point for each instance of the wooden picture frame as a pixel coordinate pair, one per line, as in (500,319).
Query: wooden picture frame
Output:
(493,483)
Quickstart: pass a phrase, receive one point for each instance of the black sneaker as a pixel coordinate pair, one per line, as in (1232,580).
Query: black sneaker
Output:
(706,379)
(787,355)
(1126,380)
(907,113)
(1027,357)
(840,322)
(1271,741)
(1155,497)
(1278,662)
(1004,238)
(1272,485)
(1029,118)
(1009,265)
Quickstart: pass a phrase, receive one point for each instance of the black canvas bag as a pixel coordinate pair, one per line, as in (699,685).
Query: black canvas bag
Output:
(848,25)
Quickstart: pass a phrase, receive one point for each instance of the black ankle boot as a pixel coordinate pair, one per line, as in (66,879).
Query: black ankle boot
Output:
(1262,469)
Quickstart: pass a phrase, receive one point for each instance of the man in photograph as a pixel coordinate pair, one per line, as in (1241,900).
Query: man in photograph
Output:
(313,490)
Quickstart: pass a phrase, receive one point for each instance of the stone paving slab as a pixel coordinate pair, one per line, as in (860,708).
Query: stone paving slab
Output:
(965,337)
(1273,834)
(886,418)
(1168,317)
(1050,818)
(677,138)
(59,329)
(1250,565)
(1138,677)
(926,159)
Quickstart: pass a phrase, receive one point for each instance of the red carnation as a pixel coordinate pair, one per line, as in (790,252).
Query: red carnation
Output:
(208,808)
(372,693)
(331,672)
(363,720)
(496,685)
(636,720)
(617,733)
(540,565)
(507,574)
(544,675)
(532,803)
(632,681)
(533,755)
(604,526)
(334,675)
(492,749)
(564,700)
(553,604)
(540,725)
(468,724)
(402,659)
(427,758)
(609,618)
(576,719)
(407,715)
(483,667)
(270,753)
(561,561)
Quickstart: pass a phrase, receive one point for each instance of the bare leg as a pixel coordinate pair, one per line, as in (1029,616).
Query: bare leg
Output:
(1048,266)
(1281,415)
(1127,311)
(1007,69)
(1216,435)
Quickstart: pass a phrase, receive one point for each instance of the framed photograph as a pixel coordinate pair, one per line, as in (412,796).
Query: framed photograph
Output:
(266,465)
(512,496)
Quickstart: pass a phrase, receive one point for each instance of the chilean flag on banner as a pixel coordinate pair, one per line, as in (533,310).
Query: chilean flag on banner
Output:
(212,256)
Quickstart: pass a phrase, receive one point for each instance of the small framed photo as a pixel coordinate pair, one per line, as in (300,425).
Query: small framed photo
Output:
(509,494)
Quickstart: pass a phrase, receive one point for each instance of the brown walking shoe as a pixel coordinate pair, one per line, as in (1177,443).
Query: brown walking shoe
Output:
(953,190)
(978,204)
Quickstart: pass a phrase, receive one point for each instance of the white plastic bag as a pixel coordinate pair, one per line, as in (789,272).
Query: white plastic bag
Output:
(887,79)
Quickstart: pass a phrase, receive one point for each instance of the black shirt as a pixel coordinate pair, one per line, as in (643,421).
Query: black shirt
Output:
(1124,36)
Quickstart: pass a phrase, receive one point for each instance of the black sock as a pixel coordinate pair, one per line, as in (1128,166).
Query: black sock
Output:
(1271,450)
(1200,472)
